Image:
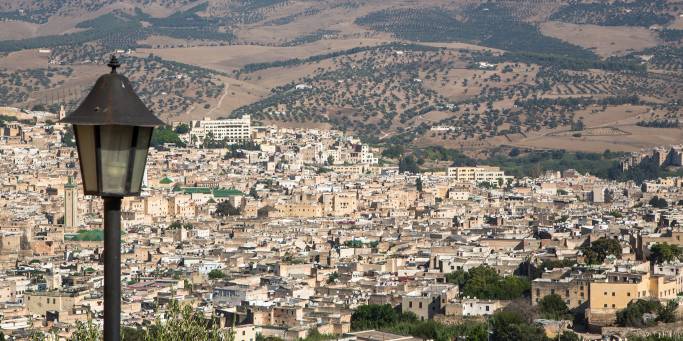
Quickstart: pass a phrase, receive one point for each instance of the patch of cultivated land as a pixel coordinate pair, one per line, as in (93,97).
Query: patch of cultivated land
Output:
(237,93)
(26,59)
(462,83)
(639,138)
(603,40)
(233,57)
(612,116)
(677,24)
(614,129)
(10,30)
(299,20)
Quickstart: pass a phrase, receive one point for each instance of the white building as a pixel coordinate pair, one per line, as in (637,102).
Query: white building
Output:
(477,174)
(473,307)
(230,130)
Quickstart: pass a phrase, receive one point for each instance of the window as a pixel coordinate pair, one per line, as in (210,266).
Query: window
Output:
(487,308)
(613,306)
(410,304)
(605,293)
(605,305)
(628,294)
(613,294)
(420,305)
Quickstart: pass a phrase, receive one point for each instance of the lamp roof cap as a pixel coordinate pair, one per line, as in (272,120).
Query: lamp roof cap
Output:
(112,101)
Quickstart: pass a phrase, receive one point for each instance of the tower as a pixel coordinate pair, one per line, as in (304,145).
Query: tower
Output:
(62,112)
(70,204)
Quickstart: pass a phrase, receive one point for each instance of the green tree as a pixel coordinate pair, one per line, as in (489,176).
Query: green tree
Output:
(511,326)
(182,129)
(600,249)
(484,282)
(664,252)
(175,225)
(163,135)
(86,331)
(183,323)
(333,277)
(632,315)
(355,243)
(373,316)
(393,152)
(569,336)
(384,317)
(667,313)
(225,209)
(554,308)
(68,138)
(418,184)
(408,164)
(658,202)
(216,274)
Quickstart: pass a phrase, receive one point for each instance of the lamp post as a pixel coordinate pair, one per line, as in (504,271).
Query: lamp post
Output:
(113,130)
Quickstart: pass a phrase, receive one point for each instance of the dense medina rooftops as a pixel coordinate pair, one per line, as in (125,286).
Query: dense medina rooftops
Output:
(340,235)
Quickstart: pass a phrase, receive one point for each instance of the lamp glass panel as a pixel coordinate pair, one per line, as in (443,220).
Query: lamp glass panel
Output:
(87,156)
(115,148)
(140,159)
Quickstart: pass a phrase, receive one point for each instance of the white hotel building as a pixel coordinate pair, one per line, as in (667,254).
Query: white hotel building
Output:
(477,174)
(231,130)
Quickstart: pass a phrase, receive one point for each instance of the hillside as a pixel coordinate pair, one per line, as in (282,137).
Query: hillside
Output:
(466,74)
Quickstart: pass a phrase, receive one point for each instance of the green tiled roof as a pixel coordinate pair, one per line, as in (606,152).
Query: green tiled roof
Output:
(192,190)
(166,181)
(222,192)
(70,183)
(217,192)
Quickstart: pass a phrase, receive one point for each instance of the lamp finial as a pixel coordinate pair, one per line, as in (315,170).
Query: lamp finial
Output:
(113,63)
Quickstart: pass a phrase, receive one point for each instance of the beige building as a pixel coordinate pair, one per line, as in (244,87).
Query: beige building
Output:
(573,289)
(245,332)
(429,301)
(299,209)
(39,303)
(619,288)
(288,316)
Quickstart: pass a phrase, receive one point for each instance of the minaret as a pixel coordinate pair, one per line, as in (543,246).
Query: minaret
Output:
(70,204)
(62,112)
(145,181)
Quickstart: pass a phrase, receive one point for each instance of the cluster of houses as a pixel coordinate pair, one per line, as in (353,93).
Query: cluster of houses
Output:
(296,233)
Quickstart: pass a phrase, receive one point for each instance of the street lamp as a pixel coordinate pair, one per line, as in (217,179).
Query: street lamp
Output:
(113,130)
